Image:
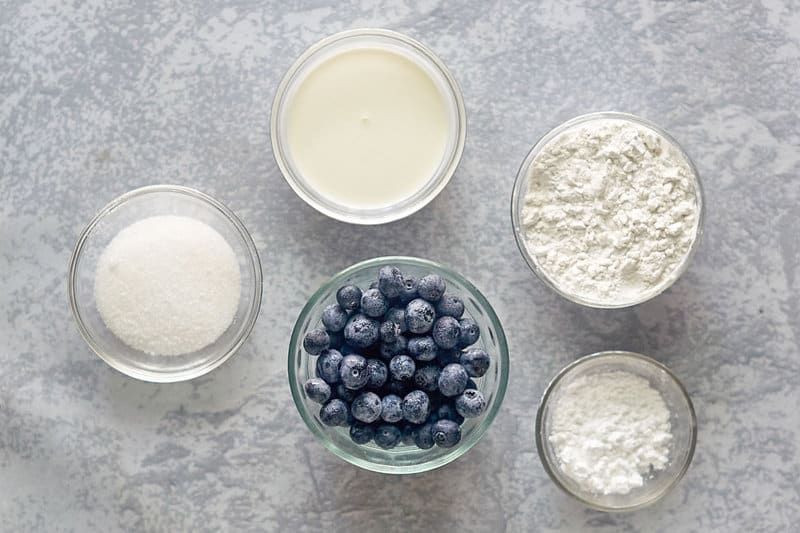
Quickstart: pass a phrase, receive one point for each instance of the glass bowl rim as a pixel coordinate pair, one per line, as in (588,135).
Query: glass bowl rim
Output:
(568,369)
(465,445)
(517,195)
(442,176)
(149,375)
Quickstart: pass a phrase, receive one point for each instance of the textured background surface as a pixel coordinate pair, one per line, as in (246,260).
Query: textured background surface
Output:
(96,99)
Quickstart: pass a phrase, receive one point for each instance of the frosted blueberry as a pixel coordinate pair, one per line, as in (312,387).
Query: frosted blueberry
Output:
(419,316)
(450,305)
(402,367)
(452,380)
(431,287)
(446,433)
(387,436)
(349,297)
(366,407)
(373,303)
(391,408)
(328,365)
(361,331)
(353,371)
(471,403)
(422,348)
(475,361)
(316,340)
(334,413)
(334,317)
(416,407)
(318,390)
(445,332)
(390,281)
(469,332)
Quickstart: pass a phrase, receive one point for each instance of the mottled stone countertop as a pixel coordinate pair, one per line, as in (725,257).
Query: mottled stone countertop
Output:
(98,97)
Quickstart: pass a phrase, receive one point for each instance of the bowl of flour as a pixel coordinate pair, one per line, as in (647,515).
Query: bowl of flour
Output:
(607,210)
(165,283)
(616,430)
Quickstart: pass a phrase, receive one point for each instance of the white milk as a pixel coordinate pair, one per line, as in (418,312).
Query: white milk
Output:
(367,128)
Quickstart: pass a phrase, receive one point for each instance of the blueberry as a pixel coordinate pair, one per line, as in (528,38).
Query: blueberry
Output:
(398,316)
(402,367)
(316,340)
(419,316)
(334,317)
(446,332)
(378,373)
(469,334)
(361,433)
(447,411)
(422,348)
(389,332)
(390,281)
(387,436)
(423,436)
(318,390)
(361,331)
(373,303)
(416,407)
(447,357)
(476,362)
(452,380)
(399,388)
(328,365)
(409,291)
(334,413)
(431,287)
(471,403)
(366,407)
(353,371)
(349,297)
(391,408)
(450,305)
(389,350)
(343,393)
(446,433)
(426,378)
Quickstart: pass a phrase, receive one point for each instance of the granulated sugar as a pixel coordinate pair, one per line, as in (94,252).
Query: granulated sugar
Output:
(167,285)
(611,211)
(609,430)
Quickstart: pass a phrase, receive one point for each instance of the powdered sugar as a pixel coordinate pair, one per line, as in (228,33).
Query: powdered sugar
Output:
(611,210)
(168,285)
(608,431)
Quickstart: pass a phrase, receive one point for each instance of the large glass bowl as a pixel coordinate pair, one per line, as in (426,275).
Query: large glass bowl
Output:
(369,38)
(683,424)
(125,210)
(403,459)
(521,188)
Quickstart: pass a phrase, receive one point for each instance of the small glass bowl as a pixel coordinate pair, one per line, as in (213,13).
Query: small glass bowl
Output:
(402,459)
(521,188)
(120,213)
(369,38)
(682,420)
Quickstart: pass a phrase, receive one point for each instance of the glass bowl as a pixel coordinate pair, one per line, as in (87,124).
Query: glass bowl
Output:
(402,459)
(120,213)
(369,39)
(521,188)
(682,420)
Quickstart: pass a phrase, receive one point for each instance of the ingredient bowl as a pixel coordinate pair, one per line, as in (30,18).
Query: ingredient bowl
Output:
(339,131)
(604,231)
(683,426)
(403,459)
(135,206)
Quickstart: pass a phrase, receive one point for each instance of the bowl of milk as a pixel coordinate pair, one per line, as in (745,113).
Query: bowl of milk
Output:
(368,126)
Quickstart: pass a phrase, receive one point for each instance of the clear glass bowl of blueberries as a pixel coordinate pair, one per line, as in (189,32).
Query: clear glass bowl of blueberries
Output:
(398,365)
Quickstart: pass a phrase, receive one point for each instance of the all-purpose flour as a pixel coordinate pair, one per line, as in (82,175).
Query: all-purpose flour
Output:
(608,430)
(167,285)
(611,210)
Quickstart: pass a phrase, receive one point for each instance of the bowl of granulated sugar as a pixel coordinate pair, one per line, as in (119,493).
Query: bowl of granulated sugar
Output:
(165,283)
(607,210)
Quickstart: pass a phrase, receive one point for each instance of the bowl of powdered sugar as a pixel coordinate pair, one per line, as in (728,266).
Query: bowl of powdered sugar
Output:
(616,430)
(607,210)
(165,283)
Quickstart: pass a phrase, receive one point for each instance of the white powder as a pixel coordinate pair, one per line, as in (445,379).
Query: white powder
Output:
(611,210)
(167,285)
(609,430)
